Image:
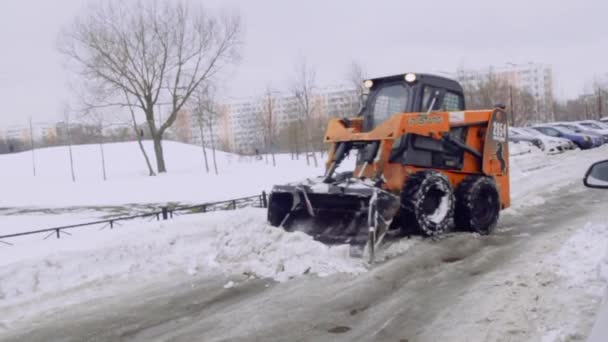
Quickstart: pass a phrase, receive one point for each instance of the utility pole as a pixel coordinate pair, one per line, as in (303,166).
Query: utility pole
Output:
(69,136)
(33,147)
(511,105)
(599,102)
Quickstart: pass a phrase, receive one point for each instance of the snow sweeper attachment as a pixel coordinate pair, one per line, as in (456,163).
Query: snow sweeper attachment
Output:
(423,165)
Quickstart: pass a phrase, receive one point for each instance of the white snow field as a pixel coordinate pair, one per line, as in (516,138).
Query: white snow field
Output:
(540,277)
(127,173)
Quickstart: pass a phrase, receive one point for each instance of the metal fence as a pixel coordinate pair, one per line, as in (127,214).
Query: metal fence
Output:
(163,213)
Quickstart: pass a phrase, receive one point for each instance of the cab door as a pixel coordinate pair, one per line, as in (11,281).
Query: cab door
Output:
(442,100)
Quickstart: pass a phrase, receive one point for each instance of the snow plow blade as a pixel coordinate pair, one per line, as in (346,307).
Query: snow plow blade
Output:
(351,212)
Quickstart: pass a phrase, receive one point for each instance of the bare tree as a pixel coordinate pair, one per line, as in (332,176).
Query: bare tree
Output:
(524,107)
(287,139)
(268,123)
(488,91)
(303,89)
(199,115)
(152,52)
(355,77)
(600,105)
(206,112)
(138,135)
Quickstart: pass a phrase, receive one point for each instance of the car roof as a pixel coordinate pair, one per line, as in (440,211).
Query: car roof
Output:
(548,126)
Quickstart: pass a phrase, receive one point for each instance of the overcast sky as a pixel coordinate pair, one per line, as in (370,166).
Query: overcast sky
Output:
(386,37)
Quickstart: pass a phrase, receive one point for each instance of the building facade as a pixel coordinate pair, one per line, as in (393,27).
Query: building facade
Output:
(239,123)
(41,131)
(537,79)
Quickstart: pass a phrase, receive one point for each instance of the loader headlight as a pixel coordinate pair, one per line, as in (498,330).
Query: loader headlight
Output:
(410,77)
(368,84)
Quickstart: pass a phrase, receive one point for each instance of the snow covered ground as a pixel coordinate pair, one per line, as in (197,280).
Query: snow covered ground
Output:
(554,283)
(189,244)
(127,182)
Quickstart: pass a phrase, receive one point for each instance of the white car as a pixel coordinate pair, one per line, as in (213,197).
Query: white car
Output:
(521,147)
(552,144)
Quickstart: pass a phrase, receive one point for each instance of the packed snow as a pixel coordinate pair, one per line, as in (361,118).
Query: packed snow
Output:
(581,265)
(589,248)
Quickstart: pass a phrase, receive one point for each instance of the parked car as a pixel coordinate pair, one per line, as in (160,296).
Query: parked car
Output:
(605,119)
(578,128)
(582,141)
(521,147)
(594,124)
(519,136)
(552,144)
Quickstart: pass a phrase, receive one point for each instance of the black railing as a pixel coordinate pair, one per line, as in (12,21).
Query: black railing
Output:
(164,213)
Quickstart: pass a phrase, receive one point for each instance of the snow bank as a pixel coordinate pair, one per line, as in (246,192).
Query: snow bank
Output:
(222,242)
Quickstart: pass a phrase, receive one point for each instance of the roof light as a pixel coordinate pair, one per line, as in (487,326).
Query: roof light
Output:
(368,84)
(410,77)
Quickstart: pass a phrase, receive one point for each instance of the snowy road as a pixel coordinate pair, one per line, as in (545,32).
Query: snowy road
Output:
(503,287)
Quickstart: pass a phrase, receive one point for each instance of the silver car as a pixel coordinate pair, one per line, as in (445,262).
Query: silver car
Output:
(552,144)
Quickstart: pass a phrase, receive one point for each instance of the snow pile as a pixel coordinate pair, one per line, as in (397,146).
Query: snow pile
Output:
(194,244)
(255,247)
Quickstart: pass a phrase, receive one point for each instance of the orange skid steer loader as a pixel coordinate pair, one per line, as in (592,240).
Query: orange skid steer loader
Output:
(424,165)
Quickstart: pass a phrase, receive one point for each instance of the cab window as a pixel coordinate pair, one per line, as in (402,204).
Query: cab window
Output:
(427,98)
(452,102)
(388,101)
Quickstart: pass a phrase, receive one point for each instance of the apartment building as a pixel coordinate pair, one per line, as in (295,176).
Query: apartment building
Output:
(41,130)
(535,78)
(239,123)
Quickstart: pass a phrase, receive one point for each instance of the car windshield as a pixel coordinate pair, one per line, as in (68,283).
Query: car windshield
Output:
(564,129)
(532,131)
(513,131)
(569,128)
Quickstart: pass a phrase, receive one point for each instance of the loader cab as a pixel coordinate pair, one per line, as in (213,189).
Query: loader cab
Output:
(409,93)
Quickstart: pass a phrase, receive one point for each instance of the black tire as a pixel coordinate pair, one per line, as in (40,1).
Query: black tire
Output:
(477,205)
(425,194)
